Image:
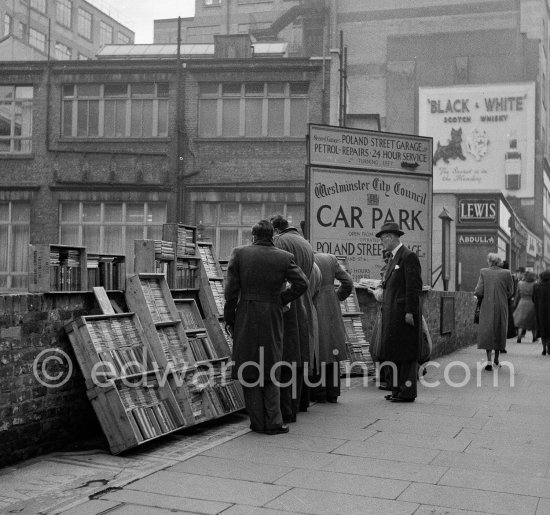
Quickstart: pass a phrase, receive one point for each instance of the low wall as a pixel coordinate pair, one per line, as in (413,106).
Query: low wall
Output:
(37,419)
(463,334)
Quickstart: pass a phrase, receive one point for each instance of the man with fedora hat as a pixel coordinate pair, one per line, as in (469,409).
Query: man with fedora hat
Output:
(401,313)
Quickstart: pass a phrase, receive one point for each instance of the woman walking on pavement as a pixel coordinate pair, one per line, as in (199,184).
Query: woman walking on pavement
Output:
(541,297)
(494,288)
(524,314)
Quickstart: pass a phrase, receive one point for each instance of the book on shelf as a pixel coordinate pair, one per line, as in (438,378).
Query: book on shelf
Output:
(164,250)
(219,298)
(202,347)
(186,274)
(209,262)
(189,314)
(186,241)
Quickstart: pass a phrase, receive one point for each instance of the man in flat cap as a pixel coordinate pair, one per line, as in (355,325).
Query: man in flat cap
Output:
(401,314)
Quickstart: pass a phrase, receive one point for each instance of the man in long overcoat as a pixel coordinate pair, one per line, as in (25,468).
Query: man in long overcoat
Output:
(401,313)
(254,300)
(332,334)
(300,348)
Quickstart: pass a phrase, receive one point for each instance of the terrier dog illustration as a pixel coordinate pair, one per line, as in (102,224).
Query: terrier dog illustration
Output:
(451,151)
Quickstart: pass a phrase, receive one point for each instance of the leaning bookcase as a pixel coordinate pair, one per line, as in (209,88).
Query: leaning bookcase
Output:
(358,359)
(122,380)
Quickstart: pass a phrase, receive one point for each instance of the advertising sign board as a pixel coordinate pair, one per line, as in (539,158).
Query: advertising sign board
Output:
(356,148)
(348,207)
(484,137)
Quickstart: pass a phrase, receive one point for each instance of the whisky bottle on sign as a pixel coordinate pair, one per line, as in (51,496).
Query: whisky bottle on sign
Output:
(512,165)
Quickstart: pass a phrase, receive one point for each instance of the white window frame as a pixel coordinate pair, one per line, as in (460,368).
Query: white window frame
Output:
(10,107)
(266,97)
(9,274)
(64,13)
(106,33)
(37,39)
(157,131)
(84,23)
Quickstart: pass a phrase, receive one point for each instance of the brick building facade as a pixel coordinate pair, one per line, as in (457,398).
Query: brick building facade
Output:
(101,153)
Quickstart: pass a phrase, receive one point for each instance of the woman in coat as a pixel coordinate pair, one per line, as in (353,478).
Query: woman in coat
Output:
(524,314)
(332,335)
(541,297)
(494,287)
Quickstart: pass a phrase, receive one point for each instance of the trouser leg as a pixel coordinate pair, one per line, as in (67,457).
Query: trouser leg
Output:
(254,403)
(407,373)
(272,406)
(287,378)
(297,394)
(333,380)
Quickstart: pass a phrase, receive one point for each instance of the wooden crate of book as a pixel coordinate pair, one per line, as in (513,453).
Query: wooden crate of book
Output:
(211,265)
(57,268)
(109,347)
(107,270)
(185,237)
(149,297)
(133,413)
(154,256)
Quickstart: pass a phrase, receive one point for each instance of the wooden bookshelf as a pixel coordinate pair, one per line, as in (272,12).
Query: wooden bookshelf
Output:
(107,270)
(122,380)
(184,275)
(57,268)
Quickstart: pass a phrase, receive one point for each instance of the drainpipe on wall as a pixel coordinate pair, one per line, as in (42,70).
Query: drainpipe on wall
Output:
(179,157)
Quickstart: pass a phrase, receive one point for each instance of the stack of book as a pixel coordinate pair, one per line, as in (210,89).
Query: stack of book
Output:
(209,262)
(173,348)
(155,300)
(186,275)
(350,305)
(202,347)
(65,270)
(186,241)
(219,298)
(164,250)
(190,317)
(149,414)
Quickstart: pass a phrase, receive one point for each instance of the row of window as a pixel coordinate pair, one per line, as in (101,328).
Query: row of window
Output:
(140,110)
(64,16)
(112,227)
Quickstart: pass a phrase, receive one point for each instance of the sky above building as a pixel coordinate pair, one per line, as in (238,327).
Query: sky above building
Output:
(138,15)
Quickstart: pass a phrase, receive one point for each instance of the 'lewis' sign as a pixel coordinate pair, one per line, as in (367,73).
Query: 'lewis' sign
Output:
(477,210)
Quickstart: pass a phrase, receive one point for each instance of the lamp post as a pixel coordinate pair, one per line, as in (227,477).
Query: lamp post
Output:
(445,247)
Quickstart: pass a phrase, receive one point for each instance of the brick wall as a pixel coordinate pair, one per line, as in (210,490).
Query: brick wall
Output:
(36,419)
(464,334)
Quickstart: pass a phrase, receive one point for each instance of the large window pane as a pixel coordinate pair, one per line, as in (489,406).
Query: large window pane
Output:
(275,118)
(67,118)
(295,214)
(20,248)
(208,118)
(156,213)
(91,238)
(207,213)
(298,117)
(69,235)
(91,213)
(112,213)
(135,213)
(4,230)
(231,118)
(253,117)
(229,213)
(70,212)
(20,213)
(113,240)
(163,118)
(229,239)
(251,213)
(4,212)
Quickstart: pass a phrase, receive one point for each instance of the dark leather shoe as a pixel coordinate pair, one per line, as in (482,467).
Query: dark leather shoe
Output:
(401,399)
(333,400)
(277,431)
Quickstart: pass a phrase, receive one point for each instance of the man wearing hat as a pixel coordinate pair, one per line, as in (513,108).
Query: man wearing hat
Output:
(401,313)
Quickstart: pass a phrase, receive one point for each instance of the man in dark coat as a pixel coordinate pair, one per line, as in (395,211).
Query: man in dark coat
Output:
(299,347)
(255,294)
(401,313)
(541,298)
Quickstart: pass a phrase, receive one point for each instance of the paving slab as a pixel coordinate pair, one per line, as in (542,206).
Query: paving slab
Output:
(299,500)
(329,481)
(384,451)
(169,502)
(387,469)
(233,469)
(519,483)
(208,489)
(470,499)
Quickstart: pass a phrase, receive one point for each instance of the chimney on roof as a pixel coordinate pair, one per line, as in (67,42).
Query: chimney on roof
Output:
(233,46)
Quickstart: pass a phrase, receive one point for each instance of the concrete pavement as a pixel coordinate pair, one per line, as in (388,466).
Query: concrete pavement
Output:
(478,448)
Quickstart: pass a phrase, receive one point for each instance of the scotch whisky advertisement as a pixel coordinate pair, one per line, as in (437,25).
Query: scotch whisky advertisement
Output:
(483,137)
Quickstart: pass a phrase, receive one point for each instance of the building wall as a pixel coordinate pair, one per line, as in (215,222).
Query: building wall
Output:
(69,36)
